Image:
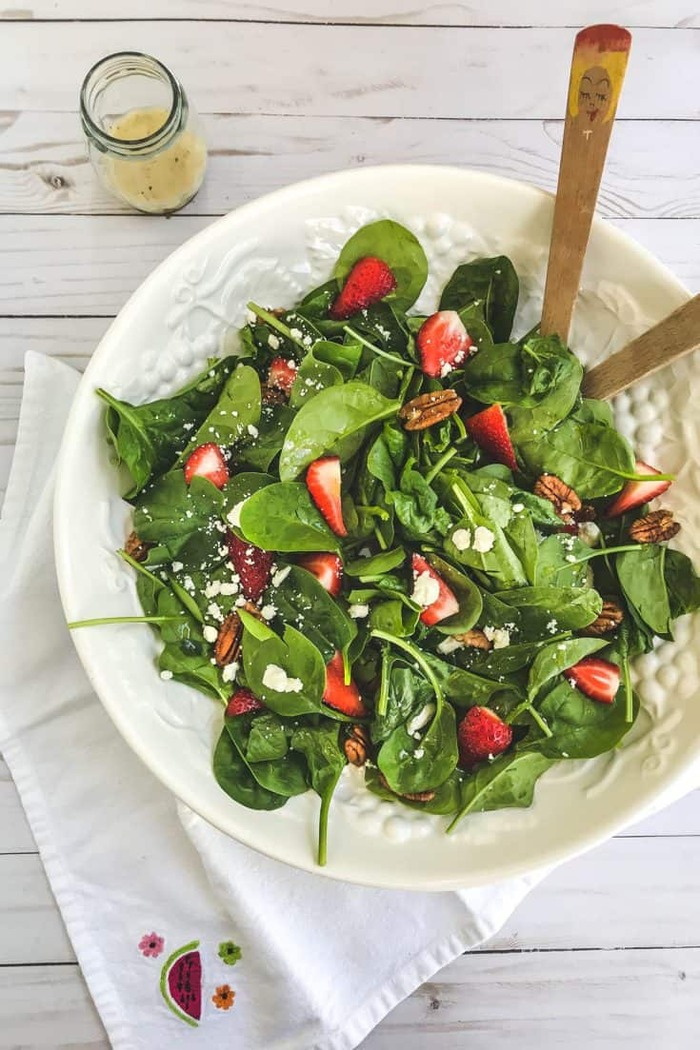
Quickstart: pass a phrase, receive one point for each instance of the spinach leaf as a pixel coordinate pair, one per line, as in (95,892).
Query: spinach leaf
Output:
(581,728)
(314,375)
(407,694)
(642,578)
(508,781)
(398,248)
(416,505)
(301,662)
(380,563)
(284,774)
(411,765)
(237,409)
(395,616)
(557,657)
(446,798)
(552,610)
(682,584)
(259,451)
(302,601)
(491,282)
(333,423)
(345,357)
(501,662)
(283,517)
(522,539)
(501,564)
(148,438)
(558,564)
(238,488)
(181,519)
(321,748)
(234,777)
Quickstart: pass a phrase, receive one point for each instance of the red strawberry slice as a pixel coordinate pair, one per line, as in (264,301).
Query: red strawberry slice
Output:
(490,431)
(282,373)
(251,563)
(444,605)
(482,734)
(443,343)
(323,483)
(242,702)
(326,567)
(635,493)
(207,461)
(369,281)
(598,679)
(342,696)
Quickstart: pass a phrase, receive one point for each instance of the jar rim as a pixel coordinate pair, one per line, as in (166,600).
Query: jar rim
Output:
(155,138)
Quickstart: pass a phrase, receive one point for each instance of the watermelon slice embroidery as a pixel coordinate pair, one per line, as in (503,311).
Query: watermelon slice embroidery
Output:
(181,983)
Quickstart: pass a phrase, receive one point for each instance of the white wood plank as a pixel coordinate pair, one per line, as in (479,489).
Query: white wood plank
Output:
(349,70)
(48,1008)
(90,265)
(652,169)
(593,1000)
(405,12)
(628,893)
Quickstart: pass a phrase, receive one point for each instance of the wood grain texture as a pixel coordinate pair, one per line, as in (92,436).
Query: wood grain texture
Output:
(654,173)
(352,71)
(665,13)
(673,338)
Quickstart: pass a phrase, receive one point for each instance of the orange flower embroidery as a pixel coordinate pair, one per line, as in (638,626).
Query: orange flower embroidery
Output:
(223,999)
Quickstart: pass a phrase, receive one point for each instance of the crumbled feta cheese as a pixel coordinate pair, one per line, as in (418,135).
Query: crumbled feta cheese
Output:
(252,430)
(281,575)
(365,552)
(215,612)
(220,527)
(419,752)
(450,645)
(462,539)
(210,633)
(177,566)
(553,626)
(166,675)
(518,508)
(212,589)
(277,678)
(188,584)
(420,720)
(234,515)
(589,533)
(358,612)
(228,589)
(446,369)
(571,558)
(230,671)
(483,540)
(222,550)
(499,637)
(307,340)
(269,612)
(426,589)
(295,333)
(273,342)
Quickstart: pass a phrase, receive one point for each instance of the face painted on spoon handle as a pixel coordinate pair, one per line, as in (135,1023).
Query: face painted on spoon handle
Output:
(597,72)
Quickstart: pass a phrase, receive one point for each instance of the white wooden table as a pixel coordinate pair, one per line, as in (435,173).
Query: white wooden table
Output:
(606,953)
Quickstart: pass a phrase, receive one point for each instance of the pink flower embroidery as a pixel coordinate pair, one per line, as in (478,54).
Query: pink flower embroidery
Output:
(151,945)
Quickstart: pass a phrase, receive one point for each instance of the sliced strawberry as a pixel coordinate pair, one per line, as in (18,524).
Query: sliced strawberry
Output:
(598,679)
(282,373)
(443,343)
(369,281)
(207,461)
(323,483)
(339,695)
(635,493)
(426,582)
(251,563)
(480,735)
(242,702)
(490,431)
(326,567)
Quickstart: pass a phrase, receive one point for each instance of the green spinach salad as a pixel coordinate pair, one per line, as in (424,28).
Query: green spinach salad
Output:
(399,541)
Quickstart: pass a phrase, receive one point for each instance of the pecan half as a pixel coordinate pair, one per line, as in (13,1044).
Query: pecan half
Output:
(136,548)
(654,527)
(428,409)
(414,796)
(475,639)
(609,618)
(272,395)
(228,643)
(356,745)
(562,497)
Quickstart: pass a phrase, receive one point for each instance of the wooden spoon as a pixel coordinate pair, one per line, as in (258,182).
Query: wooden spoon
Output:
(677,335)
(597,71)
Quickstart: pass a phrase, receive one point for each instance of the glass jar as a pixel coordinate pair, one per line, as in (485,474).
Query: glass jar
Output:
(145,140)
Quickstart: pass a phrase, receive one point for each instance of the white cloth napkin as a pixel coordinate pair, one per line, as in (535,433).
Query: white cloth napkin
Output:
(138,877)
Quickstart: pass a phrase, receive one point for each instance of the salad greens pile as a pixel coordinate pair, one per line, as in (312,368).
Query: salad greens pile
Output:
(442,633)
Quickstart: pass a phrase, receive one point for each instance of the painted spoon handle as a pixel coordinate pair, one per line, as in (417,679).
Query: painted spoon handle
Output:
(597,71)
(677,335)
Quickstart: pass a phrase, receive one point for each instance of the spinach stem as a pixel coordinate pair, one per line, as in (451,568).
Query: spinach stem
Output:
(376,512)
(379,538)
(326,799)
(383,699)
(437,467)
(139,567)
(375,349)
(605,551)
(405,383)
(274,322)
(461,499)
(534,714)
(123,619)
(629,695)
(416,654)
(459,423)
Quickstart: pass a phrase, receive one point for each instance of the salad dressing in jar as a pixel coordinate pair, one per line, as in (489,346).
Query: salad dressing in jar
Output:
(144,138)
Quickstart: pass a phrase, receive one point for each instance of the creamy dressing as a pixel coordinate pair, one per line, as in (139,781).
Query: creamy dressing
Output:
(163,181)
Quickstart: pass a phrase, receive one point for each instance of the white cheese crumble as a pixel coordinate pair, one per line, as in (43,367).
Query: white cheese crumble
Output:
(498,636)
(419,752)
(281,576)
(252,430)
(426,590)
(450,645)
(483,540)
(553,626)
(215,612)
(230,671)
(273,342)
(358,612)
(166,675)
(518,508)
(269,612)
(228,589)
(421,719)
(462,539)
(210,633)
(234,516)
(295,333)
(212,589)
(222,550)
(177,566)
(446,369)
(277,678)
